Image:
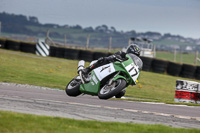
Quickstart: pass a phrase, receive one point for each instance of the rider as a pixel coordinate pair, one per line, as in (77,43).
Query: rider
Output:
(119,56)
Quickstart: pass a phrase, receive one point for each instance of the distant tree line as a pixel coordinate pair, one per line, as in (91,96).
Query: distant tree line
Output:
(19,24)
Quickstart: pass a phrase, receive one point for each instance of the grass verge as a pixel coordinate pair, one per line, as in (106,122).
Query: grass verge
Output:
(186,58)
(25,123)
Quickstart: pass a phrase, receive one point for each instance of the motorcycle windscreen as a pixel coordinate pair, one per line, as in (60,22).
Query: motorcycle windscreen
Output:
(103,71)
(138,62)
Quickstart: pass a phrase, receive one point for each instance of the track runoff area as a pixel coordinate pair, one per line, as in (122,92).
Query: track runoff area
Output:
(53,102)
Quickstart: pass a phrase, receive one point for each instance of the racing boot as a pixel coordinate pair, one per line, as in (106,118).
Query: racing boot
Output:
(86,74)
(87,70)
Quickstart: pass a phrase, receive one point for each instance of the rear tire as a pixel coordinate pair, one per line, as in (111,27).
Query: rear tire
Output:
(73,88)
(121,94)
(108,91)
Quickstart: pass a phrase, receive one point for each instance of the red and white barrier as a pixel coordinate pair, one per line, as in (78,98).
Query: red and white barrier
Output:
(187,91)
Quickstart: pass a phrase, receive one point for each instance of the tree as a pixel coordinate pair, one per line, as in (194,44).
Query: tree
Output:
(77,27)
(113,29)
(102,28)
(88,29)
(33,20)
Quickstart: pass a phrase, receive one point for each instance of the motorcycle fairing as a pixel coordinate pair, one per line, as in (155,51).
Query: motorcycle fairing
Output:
(97,75)
(105,70)
(91,87)
(133,71)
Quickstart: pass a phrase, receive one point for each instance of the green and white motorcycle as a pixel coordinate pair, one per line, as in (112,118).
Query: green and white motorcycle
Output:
(108,80)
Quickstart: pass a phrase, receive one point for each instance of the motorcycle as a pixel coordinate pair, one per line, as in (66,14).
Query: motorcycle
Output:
(108,80)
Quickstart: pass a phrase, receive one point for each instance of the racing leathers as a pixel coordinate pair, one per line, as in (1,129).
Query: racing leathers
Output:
(118,56)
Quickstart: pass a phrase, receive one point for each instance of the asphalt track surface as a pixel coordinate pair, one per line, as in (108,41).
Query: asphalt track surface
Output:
(52,102)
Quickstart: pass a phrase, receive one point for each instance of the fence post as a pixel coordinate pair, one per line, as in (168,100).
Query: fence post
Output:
(129,42)
(87,42)
(154,50)
(110,43)
(174,54)
(181,54)
(65,40)
(196,57)
(0,28)
(48,38)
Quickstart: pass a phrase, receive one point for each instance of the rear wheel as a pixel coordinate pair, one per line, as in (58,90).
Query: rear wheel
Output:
(120,94)
(108,91)
(73,87)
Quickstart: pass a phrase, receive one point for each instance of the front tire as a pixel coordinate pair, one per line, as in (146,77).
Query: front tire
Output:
(73,88)
(108,91)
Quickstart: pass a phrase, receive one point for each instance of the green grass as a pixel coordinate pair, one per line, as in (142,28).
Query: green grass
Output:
(24,123)
(171,42)
(56,73)
(28,70)
(186,58)
(154,86)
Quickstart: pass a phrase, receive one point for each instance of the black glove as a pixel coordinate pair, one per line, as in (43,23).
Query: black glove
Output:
(122,54)
(101,60)
(110,58)
(113,58)
(118,58)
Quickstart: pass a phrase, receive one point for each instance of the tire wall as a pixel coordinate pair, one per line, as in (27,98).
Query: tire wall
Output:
(149,64)
(59,52)
(86,55)
(146,63)
(159,66)
(2,42)
(52,51)
(174,69)
(188,71)
(12,45)
(197,73)
(98,55)
(71,54)
(28,47)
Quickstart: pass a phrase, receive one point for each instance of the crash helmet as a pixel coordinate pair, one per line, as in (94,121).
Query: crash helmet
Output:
(133,49)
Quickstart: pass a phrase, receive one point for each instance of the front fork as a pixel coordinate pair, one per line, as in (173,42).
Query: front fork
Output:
(81,77)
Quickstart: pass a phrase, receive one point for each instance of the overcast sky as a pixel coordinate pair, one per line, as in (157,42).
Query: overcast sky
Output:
(165,16)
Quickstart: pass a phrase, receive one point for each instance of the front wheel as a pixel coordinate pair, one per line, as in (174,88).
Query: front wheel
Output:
(109,91)
(73,87)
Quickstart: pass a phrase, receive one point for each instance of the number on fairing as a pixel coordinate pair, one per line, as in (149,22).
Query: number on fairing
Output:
(133,71)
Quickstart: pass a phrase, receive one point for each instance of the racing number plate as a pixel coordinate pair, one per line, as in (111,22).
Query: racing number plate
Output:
(133,70)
